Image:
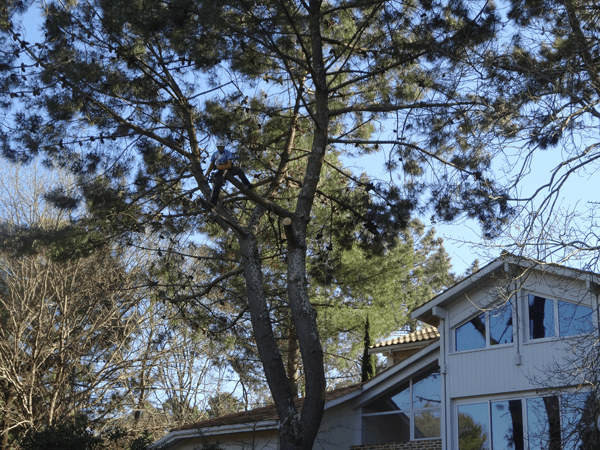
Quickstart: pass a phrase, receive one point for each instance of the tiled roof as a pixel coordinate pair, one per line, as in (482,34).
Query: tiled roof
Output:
(262,414)
(425,334)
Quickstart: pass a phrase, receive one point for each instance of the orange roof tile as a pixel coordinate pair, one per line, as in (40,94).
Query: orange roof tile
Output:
(424,334)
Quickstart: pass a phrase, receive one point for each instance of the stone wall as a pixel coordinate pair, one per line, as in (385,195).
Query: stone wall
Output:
(432,444)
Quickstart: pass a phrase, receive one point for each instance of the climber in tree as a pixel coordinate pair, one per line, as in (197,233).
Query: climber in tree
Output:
(222,160)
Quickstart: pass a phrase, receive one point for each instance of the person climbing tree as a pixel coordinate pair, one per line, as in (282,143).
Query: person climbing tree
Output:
(222,160)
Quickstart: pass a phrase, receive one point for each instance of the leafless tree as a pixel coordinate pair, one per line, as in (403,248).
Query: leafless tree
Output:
(85,336)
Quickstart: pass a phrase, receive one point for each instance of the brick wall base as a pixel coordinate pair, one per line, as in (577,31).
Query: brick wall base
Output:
(433,444)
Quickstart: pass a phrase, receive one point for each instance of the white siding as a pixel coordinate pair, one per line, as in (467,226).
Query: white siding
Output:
(338,428)
(259,440)
(522,368)
(483,372)
(497,370)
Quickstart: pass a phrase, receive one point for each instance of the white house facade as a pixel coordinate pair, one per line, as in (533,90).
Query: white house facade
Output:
(497,370)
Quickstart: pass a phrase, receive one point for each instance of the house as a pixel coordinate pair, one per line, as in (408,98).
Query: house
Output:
(488,374)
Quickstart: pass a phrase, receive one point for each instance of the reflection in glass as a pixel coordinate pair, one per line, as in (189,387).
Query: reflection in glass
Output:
(471,335)
(543,423)
(578,415)
(427,425)
(501,330)
(473,425)
(426,390)
(507,425)
(541,317)
(574,319)
(397,400)
(386,428)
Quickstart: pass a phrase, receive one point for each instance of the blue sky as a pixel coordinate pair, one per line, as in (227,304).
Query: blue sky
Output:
(462,239)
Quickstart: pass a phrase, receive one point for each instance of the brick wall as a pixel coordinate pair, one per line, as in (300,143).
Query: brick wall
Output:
(432,444)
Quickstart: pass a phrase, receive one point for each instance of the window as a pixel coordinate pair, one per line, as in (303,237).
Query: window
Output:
(507,424)
(537,423)
(473,427)
(490,328)
(543,423)
(410,412)
(550,318)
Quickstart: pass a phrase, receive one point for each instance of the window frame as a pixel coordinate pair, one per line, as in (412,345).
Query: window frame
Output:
(486,314)
(558,335)
(411,411)
(488,400)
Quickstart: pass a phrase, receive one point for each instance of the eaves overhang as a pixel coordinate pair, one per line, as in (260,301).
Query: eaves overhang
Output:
(175,436)
(390,378)
(425,312)
(506,263)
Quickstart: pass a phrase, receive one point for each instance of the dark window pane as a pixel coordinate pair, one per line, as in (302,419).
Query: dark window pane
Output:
(473,430)
(397,400)
(471,335)
(507,425)
(543,423)
(386,428)
(501,325)
(541,317)
(427,425)
(574,319)
(426,390)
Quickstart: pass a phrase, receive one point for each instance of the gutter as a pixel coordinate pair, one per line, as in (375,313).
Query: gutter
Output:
(175,436)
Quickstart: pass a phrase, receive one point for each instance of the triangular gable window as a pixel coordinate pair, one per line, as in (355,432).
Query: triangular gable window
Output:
(409,412)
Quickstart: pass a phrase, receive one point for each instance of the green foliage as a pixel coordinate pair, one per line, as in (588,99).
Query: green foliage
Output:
(222,404)
(132,94)
(76,433)
(471,435)
(384,287)
(141,442)
(67,433)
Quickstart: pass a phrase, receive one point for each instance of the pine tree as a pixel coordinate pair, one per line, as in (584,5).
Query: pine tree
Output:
(369,363)
(127,95)
(540,83)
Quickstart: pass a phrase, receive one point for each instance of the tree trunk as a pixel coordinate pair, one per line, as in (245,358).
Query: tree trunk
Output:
(293,361)
(266,342)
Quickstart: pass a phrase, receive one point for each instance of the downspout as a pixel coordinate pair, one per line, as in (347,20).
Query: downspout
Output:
(442,314)
(517,325)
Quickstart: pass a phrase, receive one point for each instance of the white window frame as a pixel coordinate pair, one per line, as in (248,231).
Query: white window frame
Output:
(411,411)
(500,398)
(487,346)
(557,331)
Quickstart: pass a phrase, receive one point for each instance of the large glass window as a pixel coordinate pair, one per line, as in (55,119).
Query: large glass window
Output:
(397,400)
(550,318)
(578,413)
(539,423)
(490,328)
(473,427)
(543,423)
(472,334)
(501,324)
(410,412)
(426,390)
(574,319)
(507,425)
